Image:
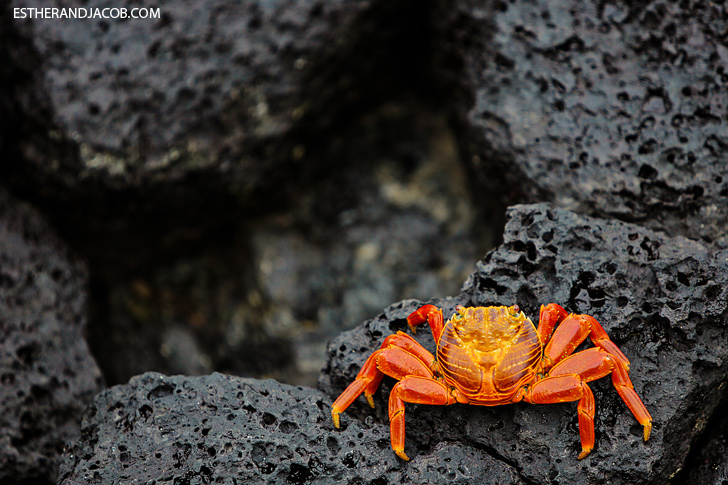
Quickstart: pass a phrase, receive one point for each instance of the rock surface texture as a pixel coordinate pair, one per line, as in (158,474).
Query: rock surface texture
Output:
(140,134)
(201,90)
(663,300)
(246,179)
(614,109)
(47,374)
(222,429)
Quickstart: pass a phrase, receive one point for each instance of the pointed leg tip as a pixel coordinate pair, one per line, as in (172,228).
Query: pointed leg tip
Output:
(335,417)
(402,455)
(648,430)
(370,399)
(584,453)
(413,329)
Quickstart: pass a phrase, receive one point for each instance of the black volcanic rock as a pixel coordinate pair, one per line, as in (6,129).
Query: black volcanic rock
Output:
(140,132)
(223,429)
(612,109)
(663,300)
(195,89)
(47,374)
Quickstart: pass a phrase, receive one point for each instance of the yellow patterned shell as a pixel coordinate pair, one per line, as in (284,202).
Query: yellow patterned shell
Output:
(489,353)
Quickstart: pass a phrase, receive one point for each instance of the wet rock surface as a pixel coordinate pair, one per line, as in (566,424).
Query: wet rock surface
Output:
(663,300)
(47,374)
(613,109)
(222,429)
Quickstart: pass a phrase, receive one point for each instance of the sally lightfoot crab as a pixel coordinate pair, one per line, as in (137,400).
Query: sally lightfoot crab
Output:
(490,356)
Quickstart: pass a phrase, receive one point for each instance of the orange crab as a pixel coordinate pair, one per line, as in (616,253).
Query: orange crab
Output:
(490,356)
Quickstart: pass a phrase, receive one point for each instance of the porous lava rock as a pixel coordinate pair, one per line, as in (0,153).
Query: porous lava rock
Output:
(662,299)
(223,429)
(47,374)
(196,88)
(140,132)
(615,109)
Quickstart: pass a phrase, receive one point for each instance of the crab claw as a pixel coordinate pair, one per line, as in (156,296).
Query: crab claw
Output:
(427,314)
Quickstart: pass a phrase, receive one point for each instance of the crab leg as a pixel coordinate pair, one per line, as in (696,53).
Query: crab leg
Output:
(590,365)
(623,384)
(571,332)
(549,316)
(587,366)
(419,390)
(412,346)
(567,388)
(600,338)
(399,356)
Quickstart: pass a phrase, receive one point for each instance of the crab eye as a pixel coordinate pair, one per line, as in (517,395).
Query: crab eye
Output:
(514,310)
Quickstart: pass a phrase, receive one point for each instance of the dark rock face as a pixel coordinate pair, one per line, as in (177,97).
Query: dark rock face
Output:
(222,429)
(169,131)
(662,300)
(612,109)
(47,374)
(708,459)
(150,101)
